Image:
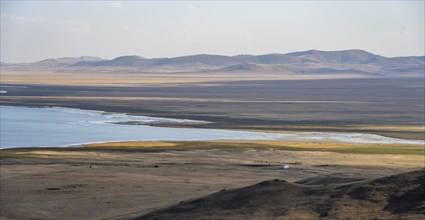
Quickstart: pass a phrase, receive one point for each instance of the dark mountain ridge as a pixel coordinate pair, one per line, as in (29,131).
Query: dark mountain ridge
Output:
(400,196)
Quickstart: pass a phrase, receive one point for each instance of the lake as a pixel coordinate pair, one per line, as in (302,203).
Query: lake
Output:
(51,127)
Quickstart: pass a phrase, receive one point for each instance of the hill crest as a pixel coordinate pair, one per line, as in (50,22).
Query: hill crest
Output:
(357,62)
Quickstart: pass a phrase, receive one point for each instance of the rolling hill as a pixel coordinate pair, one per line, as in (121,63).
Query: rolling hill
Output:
(357,62)
(399,196)
(64,61)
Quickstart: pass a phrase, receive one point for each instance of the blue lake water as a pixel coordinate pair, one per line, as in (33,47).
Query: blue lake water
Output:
(38,127)
(51,127)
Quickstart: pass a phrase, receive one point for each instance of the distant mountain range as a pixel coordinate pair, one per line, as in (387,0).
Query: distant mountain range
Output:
(306,62)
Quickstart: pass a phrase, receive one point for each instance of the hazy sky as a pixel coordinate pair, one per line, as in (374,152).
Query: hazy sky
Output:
(35,30)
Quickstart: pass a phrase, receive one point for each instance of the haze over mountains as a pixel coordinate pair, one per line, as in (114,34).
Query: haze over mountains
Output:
(306,62)
(55,62)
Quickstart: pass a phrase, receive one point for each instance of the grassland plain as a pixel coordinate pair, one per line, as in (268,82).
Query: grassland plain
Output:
(261,145)
(130,179)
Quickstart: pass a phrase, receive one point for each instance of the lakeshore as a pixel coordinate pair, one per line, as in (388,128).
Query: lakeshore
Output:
(56,127)
(131,178)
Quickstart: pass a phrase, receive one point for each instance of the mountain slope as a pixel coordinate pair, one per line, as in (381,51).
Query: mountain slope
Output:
(65,61)
(119,61)
(243,68)
(348,62)
(306,62)
(212,60)
(393,197)
(340,57)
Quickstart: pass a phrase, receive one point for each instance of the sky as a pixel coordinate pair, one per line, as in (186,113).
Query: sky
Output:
(37,30)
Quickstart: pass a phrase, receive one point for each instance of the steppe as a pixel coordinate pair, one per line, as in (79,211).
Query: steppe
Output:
(114,182)
(141,179)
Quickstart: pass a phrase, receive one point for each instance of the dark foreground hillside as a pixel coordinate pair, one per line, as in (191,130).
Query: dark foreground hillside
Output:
(399,196)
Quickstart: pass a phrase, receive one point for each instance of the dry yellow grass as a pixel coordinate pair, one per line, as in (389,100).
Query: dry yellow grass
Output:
(112,77)
(283,145)
(392,128)
(149,98)
(88,78)
(349,147)
(130,144)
